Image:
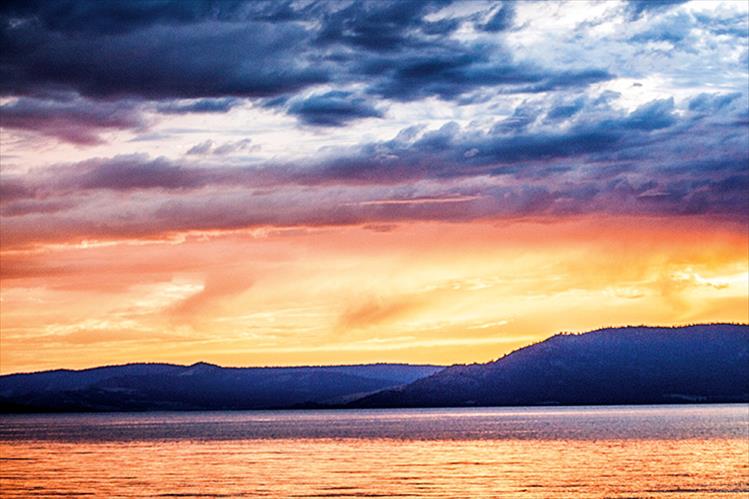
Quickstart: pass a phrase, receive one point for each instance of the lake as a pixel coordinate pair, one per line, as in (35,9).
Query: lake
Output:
(626,451)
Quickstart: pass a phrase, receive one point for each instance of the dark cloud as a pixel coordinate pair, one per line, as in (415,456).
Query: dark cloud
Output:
(638,8)
(220,105)
(710,103)
(545,146)
(118,16)
(136,171)
(383,25)
(157,215)
(523,116)
(565,110)
(510,147)
(12,189)
(502,18)
(35,206)
(673,29)
(651,116)
(442,27)
(75,69)
(217,52)
(547,80)
(334,108)
(72,119)
(202,60)
(449,72)
(603,162)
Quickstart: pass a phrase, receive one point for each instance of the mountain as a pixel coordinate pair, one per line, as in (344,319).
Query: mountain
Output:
(201,386)
(632,365)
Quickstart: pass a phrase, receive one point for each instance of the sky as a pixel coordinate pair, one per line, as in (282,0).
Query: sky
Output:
(320,182)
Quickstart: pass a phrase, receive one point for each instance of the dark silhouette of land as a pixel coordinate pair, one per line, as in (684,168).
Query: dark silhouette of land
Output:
(632,365)
(201,386)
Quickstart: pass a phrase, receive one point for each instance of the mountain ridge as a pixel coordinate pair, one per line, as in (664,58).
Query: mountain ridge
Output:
(623,365)
(200,362)
(199,386)
(632,364)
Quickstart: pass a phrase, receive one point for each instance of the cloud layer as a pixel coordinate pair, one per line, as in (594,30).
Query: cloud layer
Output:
(303,181)
(438,100)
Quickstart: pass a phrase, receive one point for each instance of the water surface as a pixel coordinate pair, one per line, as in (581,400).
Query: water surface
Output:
(644,451)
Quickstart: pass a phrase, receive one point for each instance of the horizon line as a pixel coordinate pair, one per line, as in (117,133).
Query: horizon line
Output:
(378,363)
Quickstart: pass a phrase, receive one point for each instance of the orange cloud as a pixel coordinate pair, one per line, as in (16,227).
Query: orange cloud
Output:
(373,311)
(216,288)
(436,292)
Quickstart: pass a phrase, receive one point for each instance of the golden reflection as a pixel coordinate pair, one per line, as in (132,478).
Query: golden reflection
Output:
(379,467)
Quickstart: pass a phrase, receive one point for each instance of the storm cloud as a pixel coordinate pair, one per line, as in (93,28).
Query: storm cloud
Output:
(368,112)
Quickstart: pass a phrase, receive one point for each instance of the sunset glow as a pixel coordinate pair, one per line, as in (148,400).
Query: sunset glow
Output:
(445,200)
(419,292)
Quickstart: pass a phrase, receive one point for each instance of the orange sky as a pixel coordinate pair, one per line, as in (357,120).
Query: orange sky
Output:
(284,183)
(414,292)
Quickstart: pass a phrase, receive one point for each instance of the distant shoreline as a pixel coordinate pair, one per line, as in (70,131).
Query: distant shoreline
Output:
(361,409)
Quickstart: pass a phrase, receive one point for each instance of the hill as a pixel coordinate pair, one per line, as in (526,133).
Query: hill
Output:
(201,386)
(632,365)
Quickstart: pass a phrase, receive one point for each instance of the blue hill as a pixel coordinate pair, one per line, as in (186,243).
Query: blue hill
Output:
(632,365)
(201,386)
